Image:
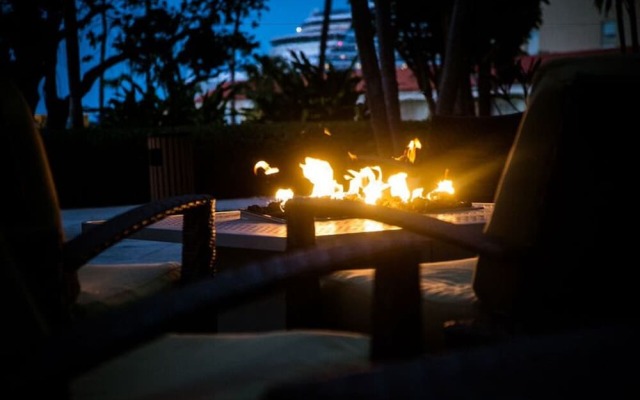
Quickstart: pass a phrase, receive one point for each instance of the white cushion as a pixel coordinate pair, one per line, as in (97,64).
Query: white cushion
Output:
(446,288)
(113,285)
(222,366)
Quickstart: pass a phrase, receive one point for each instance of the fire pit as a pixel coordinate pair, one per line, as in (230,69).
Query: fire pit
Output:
(368,186)
(275,209)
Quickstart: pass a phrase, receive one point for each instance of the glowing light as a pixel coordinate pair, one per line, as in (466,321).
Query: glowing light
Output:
(268,170)
(366,184)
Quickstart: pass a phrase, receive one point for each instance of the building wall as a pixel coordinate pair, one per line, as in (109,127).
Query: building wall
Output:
(414,109)
(576,25)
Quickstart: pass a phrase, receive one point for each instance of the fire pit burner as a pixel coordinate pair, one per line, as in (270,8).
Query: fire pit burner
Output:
(423,206)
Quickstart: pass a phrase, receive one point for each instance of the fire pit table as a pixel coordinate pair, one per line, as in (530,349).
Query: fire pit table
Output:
(241,229)
(244,236)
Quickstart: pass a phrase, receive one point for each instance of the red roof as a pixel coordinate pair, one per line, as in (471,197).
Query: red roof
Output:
(407,81)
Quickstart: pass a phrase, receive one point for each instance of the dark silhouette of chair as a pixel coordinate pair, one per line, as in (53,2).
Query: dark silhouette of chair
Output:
(31,224)
(43,281)
(550,268)
(552,278)
(472,149)
(548,214)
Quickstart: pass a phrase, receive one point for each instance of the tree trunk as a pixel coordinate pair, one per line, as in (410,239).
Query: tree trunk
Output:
(32,57)
(620,19)
(362,24)
(57,108)
(633,24)
(103,55)
(73,63)
(232,68)
(386,38)
(465,103)
(484,88)
(150,87)
(326,20)
(455,68)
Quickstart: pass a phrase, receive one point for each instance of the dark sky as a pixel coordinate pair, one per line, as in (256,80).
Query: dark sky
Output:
(282,19)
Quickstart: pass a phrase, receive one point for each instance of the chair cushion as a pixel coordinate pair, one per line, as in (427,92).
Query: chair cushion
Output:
(446,288)
(223,366)
(113,285)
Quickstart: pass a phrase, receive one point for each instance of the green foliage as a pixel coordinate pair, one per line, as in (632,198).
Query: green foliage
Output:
(213,105)
(166,46)
(299,91)
(494,35)
(136,108)
(115,165)
(508,75)
(129,112)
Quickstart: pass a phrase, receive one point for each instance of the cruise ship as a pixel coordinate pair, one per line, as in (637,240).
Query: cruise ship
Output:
(341,44)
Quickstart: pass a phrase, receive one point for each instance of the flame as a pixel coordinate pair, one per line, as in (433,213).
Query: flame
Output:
(283,195)
(443,190)
(268,170)
(399,187)
(445,186)
(411,151)
(366,184)
(320,173)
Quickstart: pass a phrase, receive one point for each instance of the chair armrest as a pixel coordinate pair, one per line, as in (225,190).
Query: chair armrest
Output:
(198,231)
(396,286)
(95,340)
(303,210)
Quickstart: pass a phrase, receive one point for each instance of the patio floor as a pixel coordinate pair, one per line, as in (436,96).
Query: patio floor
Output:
(265,313)
(133,250)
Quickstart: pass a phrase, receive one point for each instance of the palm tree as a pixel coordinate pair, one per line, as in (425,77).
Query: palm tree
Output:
(73,62)
(386,51)
(326,20)
(364,31)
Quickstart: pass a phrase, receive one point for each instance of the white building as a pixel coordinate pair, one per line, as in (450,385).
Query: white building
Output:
(569,27)
(341,48)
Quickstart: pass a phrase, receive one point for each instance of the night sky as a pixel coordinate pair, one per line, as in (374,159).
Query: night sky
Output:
(285,15)
(282,19)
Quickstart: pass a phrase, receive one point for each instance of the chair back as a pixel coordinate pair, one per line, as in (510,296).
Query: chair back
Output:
(473,149)
(557,199)
(31,225)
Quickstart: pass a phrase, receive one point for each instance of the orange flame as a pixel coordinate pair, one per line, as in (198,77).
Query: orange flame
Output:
(411,151)
(367,184)
(268,170)
(320,173)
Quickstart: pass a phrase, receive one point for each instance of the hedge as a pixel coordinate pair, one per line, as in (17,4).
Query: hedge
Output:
(96,167)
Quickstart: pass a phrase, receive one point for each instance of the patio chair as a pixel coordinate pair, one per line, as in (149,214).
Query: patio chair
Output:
(66,280)
(550,208)
(473,149)
(44,277)
(127,353)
